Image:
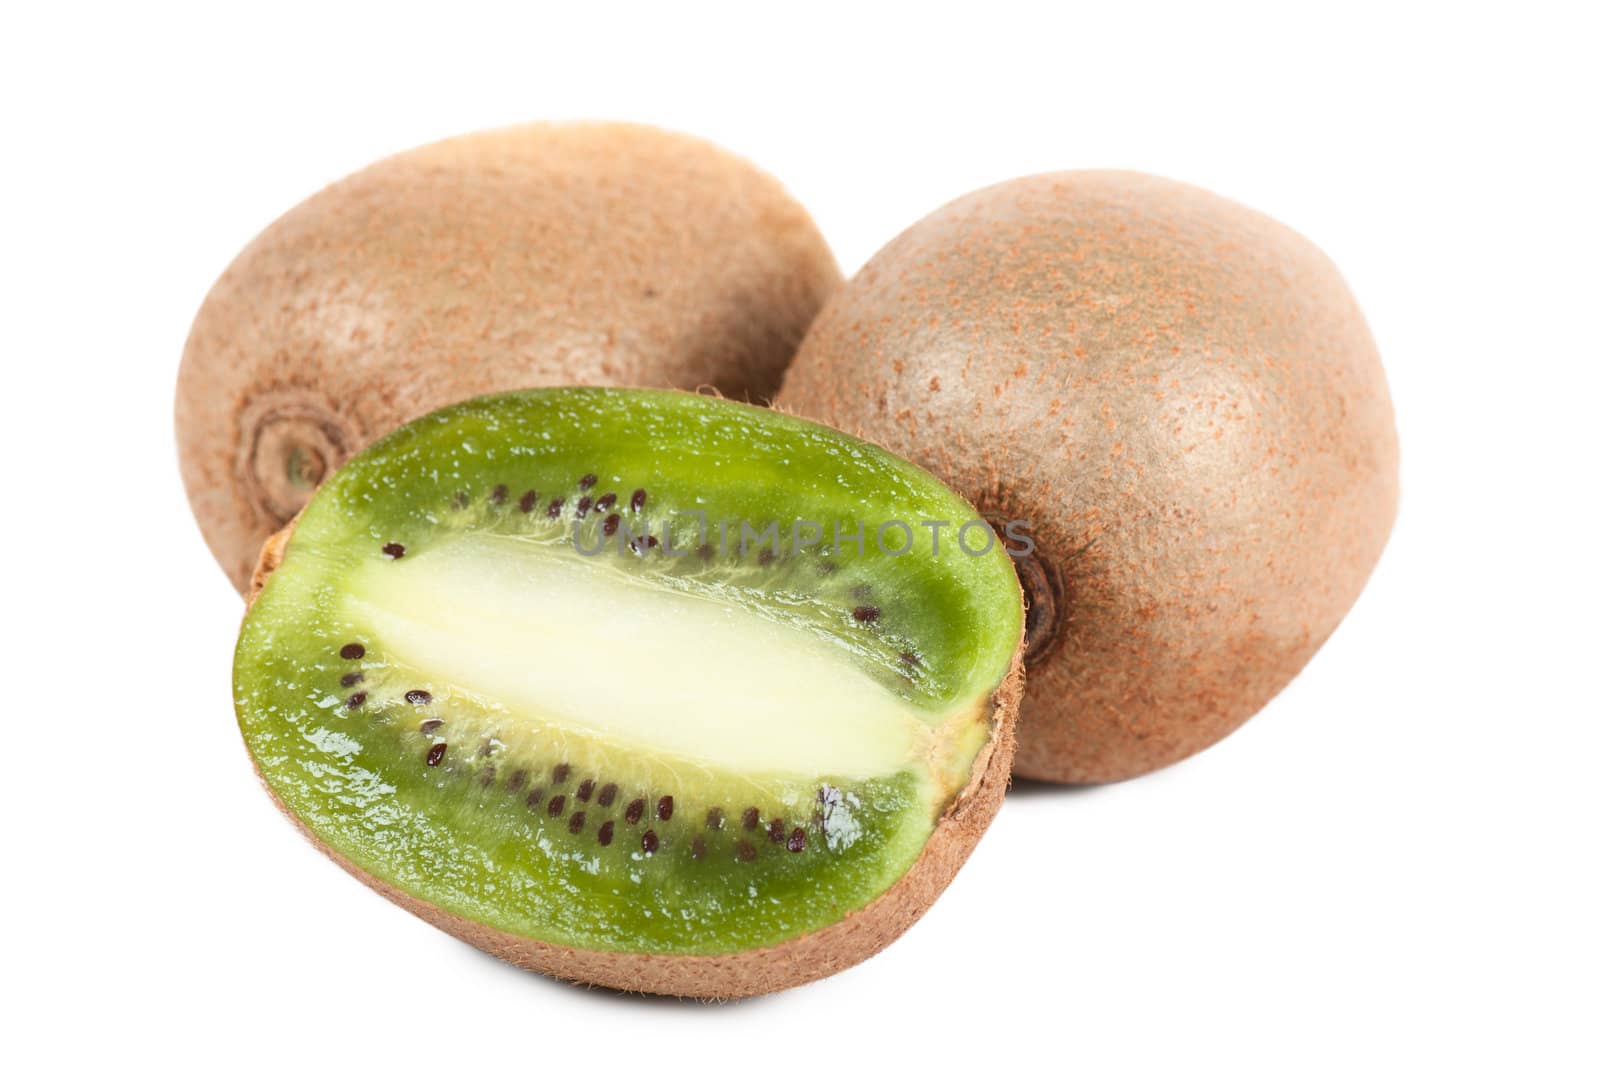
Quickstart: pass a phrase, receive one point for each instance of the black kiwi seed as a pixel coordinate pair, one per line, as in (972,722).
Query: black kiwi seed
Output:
(910,659)
(697,848)
(609,527)
(557,803)
(705,552)
(529,499)
(460,500)
(635,811)
(498,494)
(606,829)
(358,698)
(866,613)
(752,818)
(554,510)
(585,789)
(486,776)
(826,567)
(636,501)
(744,850)
(352,678)
(606,502)
(394,550)
(353,651)
(575,824)
(430,725)
(797,840)
(584,504)
(518,779)
(586,483)
(775,830)
(766,557)
(435,754)
(714,819)
(419,696)
(664,808)
(535,798)
(649,842)
(608,793)
(561,772)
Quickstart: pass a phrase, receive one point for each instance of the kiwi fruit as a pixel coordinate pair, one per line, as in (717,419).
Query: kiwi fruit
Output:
(1176,404)
(640,688)
(539,255)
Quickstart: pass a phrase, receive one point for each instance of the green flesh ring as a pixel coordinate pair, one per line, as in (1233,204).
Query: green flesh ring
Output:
(623,750)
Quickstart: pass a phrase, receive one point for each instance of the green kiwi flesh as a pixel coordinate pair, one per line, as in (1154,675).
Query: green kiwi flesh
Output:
(539,662)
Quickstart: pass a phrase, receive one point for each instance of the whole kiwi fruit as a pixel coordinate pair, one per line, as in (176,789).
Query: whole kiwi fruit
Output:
(1179,400)
(546,254)
(644,689)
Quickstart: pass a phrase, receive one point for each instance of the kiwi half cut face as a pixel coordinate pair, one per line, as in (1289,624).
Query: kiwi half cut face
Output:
(646,689)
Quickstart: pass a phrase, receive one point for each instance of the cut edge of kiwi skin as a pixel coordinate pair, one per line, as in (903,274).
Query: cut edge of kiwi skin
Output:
(750,971)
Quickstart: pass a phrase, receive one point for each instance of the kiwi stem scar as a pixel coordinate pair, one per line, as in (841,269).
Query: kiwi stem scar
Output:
(305,469)
(288,453)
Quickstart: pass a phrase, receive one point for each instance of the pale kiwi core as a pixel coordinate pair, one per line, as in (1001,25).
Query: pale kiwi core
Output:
(669,671)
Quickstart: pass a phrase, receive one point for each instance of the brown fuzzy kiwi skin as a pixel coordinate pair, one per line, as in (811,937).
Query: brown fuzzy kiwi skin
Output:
(546,254)
(1183,399)
(859,935)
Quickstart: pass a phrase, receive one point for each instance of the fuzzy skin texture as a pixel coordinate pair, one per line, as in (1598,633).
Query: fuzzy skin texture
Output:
(1182,397)
(859,935)
(553,254)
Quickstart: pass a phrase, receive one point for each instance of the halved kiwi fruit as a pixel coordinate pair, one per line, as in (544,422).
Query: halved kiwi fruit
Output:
(1177,400)
(539,255)
(645,689)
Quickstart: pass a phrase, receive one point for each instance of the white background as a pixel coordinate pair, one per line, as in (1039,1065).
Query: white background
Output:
(1395,862)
